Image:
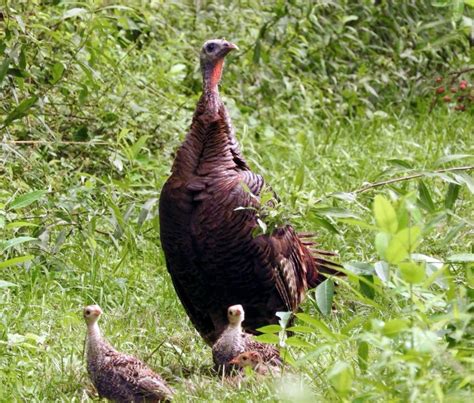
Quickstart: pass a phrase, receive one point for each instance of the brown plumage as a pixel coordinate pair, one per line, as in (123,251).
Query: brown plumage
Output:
(211,254)
(116,376)
(234,341)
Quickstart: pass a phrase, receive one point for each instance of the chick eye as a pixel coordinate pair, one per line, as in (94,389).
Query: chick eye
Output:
(210,47)
(88,312)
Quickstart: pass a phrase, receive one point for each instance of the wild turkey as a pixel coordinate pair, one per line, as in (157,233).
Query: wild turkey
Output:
(254,360)
(116,376)
(211,253)
(234,341)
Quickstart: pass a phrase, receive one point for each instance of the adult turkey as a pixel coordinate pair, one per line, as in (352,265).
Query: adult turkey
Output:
(213,257)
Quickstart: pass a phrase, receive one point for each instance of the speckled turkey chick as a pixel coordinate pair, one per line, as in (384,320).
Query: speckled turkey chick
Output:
(234,341)
(254,360)
(208,213)
(116,376)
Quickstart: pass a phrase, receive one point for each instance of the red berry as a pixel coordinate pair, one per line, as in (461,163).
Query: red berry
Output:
(460,107)
(440,90)
(454,90)
(438,79)
(463,85)
(447,98)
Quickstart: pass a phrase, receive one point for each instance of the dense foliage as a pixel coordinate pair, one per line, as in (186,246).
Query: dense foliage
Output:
(336,103)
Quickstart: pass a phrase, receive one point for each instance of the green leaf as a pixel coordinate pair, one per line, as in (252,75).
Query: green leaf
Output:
(367,289)
(341,376)
(16,260)
(74,12)
(383,271)
(382,239)
(16,241)
(317,324)
(385,215)
(394,326)
(297,342)
(324,296)
(402,244)
(452,157)
(412,272)
(268,338)
(357,223)
(269,329)
(136,148)
(4,68)
(451,195)
(465,178)
(57,72)
(363,355)
(301,329)
(425,197)
(359,268)
(21,110)
(461,258)
(299,177)
(5,284)
(26,199)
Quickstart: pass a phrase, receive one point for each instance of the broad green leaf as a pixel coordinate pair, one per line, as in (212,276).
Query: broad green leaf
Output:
(284,318)
(301,329)
(382,239)
(461,258)
(383,271)
(297,342)
(15,260)
(451,195)
(269,329)
(341,376)
(402,244)
(26,199)
(363,355)
(268,338)
(324,296)
(412,272)
(394,326)
(21,110)
(317,324)
(57,72)
(385,215)
(15,241)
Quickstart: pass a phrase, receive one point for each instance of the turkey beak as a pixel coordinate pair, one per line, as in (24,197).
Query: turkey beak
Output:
(227,48)
(234,361)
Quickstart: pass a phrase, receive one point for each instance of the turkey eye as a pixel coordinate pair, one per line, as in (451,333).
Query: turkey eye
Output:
(210,47)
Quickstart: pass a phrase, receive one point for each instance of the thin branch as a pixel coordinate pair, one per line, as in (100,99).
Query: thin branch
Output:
(374,185)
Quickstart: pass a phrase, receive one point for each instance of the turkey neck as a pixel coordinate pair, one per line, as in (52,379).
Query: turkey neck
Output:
(93,339)
(212,73)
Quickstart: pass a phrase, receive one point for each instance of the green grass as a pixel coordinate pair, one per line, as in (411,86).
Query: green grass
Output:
(316,134)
